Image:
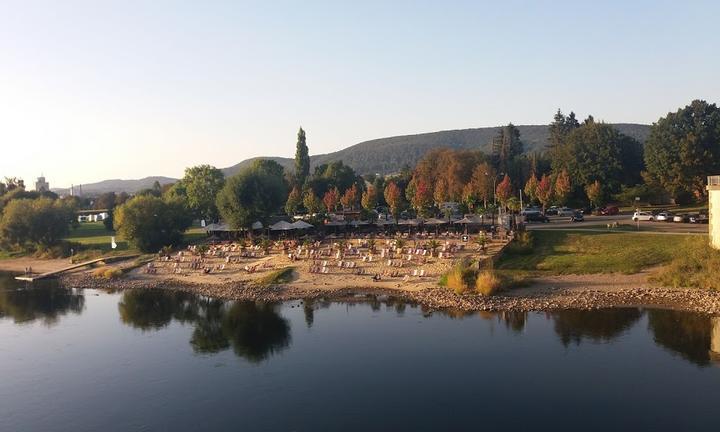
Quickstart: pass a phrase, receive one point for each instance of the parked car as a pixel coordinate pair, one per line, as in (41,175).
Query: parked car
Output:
(552,211)
(529,209)
(536,217)
(609,211)
(680,218)
(643,216)
(577,216)
(664,216)
(565,211)
(699,218)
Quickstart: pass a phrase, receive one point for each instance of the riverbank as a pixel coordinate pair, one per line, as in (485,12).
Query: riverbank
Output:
(584,292)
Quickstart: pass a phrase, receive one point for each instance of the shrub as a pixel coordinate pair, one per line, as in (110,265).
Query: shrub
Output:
(522,244)
(108,272)
(460,278)
(694,266)
(487,283)
(281,276)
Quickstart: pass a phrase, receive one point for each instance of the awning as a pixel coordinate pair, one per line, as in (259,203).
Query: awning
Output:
(436,221)
(301,225)
(281,226)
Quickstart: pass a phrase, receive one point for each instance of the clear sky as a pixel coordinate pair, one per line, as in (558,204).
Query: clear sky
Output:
(91,90)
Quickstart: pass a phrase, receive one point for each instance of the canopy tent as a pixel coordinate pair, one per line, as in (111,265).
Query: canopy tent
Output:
(281,226)
(383,222)
(301,225)
(336,223)
(218,227)
(357,223)
(436,221)
(411,222)
(468,221)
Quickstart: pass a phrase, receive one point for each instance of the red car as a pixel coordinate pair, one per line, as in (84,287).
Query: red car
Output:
(609,211)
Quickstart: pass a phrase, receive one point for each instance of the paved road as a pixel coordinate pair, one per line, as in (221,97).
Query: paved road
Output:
(600,222)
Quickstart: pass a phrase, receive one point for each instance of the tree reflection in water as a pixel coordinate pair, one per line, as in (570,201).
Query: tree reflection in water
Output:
(254,330)
(684,333)
(597,325)
(42,301)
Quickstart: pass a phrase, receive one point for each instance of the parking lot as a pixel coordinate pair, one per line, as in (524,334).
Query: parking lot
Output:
(624,222)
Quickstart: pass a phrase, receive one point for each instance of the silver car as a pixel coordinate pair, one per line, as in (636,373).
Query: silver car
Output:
(643,216)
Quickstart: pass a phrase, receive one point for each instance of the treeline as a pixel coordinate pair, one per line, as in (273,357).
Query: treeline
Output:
(586,163)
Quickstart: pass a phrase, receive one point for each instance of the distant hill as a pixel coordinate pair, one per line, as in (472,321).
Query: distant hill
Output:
(118,185)
(388,155)
(383,155)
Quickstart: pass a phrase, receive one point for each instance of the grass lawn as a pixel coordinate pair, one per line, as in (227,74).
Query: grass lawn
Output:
(96,238)
(568,252)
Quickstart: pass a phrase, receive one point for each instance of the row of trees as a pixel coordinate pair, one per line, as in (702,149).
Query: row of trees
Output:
(585,162)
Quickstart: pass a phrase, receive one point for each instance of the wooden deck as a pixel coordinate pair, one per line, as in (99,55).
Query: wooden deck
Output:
(34,277)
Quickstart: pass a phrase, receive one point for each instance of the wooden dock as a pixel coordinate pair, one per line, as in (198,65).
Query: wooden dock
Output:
(34,277)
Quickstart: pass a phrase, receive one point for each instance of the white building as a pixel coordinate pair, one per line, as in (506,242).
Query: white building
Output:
(713,188)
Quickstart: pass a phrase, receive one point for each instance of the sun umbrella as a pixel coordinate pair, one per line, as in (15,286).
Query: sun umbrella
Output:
(281,226)
(301,225)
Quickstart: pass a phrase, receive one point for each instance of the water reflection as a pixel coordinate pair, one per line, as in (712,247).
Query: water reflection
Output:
(695,337)
(603,325)
(46,302)
(254,330)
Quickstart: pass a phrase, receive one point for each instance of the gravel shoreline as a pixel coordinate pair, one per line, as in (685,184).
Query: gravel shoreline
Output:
(541,299)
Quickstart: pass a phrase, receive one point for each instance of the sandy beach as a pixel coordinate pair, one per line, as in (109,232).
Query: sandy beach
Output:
(407,270)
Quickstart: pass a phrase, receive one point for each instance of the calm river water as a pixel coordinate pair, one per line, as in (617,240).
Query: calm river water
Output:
(153,360)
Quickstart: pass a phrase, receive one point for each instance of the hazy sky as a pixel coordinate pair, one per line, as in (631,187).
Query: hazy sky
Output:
(91,90)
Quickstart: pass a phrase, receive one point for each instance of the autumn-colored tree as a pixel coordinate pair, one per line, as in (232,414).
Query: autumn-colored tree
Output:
(562,187)
(544,191)
(503,191)
(423,197)
(331,199)
(480,184)
(594,192)
(393,197)
(350,198)
(294,201)
(440,195)
(369,198)
(531,187)
(312,203)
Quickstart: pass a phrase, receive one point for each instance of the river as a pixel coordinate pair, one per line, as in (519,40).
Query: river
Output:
(86,360)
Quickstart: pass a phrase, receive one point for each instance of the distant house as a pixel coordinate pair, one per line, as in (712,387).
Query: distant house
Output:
(92,215)
(713,188)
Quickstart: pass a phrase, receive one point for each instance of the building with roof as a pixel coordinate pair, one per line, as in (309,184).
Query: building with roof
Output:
(41,185)
(713,188)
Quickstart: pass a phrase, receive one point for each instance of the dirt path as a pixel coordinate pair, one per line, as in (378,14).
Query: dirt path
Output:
(18,265)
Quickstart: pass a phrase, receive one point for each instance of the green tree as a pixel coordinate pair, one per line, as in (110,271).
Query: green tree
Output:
(506,147)
(202,183)
(683,149)
(600,152)
(294,201)
(558,131)
(150,222)
(302,159)
(252,195)
(312,203)
(28,223)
